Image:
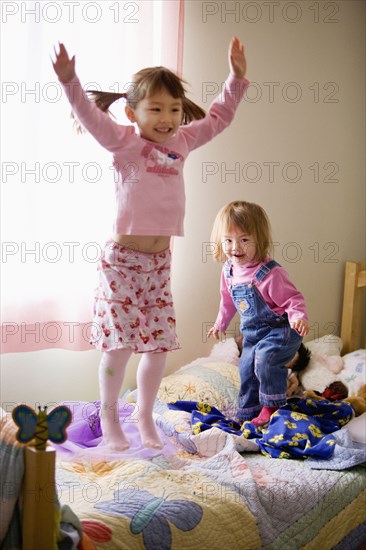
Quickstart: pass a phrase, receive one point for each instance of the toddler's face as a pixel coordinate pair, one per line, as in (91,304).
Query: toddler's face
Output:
(157,116)
(239,246)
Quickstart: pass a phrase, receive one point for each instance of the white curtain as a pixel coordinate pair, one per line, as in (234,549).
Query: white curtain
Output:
(57,190)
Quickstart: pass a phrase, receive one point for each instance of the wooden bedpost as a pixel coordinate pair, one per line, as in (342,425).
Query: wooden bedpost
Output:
(41,511)
(352,306)
(39,500)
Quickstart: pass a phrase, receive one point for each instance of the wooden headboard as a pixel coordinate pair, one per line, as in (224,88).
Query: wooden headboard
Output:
(353,315)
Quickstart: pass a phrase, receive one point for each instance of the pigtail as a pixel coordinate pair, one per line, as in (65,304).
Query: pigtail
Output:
(103,100)
(146,82)
(191,111)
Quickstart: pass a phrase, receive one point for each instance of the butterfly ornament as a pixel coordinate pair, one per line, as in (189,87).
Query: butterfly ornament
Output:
(41,426)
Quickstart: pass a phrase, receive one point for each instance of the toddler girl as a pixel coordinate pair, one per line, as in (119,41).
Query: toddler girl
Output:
(273,317)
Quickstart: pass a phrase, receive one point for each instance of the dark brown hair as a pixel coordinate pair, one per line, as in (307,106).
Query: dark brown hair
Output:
(146,83)
(303,359)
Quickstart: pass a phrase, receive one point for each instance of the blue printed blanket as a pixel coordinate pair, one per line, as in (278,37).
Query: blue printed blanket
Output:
(303,429)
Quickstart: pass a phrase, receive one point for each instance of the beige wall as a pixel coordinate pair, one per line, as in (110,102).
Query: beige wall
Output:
(306,155)
(303,120)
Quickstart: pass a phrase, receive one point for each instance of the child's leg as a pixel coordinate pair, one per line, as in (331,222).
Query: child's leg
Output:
(111,373)
(248,399)
(149,374)
(271,356)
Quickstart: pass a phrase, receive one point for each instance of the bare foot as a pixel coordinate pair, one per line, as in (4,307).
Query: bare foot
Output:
(264,416)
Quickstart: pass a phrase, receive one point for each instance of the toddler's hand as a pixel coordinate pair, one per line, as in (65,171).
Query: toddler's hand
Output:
(64,66)
(301,326)
(237,61)
(294,384)
(214,332)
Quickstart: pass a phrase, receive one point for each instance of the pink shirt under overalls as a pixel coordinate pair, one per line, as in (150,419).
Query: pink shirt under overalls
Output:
(149,187)
(276,289)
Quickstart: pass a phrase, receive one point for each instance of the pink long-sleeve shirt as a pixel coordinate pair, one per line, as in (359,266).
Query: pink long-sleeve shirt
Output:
(149,185)
(276,289)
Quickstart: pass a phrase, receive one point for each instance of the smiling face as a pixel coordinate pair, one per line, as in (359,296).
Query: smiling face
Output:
(241,231)
(158,116)
(239,246)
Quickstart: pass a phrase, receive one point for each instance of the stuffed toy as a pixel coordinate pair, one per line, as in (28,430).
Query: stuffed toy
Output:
(358,401)
(322,371)
(337,391)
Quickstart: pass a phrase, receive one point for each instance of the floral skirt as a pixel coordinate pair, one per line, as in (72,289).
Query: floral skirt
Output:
(133,305)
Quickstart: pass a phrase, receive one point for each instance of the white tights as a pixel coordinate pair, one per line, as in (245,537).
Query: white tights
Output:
(112,370)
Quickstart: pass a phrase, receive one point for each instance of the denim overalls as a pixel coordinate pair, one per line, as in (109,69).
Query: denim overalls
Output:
(268,344)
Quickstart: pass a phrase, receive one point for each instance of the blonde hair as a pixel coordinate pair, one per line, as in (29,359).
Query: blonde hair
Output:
(146,83)
(249,218)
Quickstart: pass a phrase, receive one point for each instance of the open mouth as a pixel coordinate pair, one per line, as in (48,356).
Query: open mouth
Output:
(238,257)
(163,130)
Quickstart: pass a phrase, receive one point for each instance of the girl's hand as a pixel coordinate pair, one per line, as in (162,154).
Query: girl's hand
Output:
(214,332)
(237,61)
(294,384)
(301,326)
(64,66)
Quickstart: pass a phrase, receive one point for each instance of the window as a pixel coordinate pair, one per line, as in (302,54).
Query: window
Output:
(57,187)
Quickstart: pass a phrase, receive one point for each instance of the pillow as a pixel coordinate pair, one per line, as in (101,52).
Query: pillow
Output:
(326,345)
(226,351)
(213,379)
(325,363)
(357,428)
(214,383)
(354,373)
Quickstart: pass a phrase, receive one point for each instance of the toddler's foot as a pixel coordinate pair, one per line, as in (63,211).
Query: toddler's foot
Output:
(114,437)
(264,416)
(148,432)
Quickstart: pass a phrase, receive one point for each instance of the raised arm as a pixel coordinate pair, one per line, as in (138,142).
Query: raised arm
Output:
(100,125)
(222,109)
(64,66)
(237,61)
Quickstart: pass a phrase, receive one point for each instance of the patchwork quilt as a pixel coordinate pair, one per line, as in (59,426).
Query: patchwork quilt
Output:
(224,500)
(298,484)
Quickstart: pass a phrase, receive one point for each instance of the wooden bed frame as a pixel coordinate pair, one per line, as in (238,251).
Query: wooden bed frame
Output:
(39,490)
(38,517)
(353,313)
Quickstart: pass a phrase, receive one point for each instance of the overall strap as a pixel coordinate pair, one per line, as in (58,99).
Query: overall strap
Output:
(263,271)
(228,269)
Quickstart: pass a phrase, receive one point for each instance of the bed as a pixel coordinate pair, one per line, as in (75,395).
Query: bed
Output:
(209,489)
